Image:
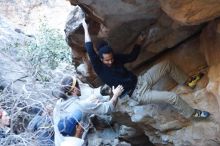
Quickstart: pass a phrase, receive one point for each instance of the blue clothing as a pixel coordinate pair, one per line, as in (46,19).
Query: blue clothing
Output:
(117,74)
(43,127)
(3,133)
(67,125)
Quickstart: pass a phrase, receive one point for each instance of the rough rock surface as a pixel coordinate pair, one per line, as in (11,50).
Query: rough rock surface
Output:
(210,42)
(121,28)
(169,36)
(12,70)
(161,122)
(26,14)
(191,12)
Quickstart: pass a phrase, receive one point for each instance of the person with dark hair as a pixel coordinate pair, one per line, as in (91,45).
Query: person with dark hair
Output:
(106,90)
(110,69)
(71,114)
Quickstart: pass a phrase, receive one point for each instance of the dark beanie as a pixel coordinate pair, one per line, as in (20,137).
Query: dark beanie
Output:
(105,50)
(101,44)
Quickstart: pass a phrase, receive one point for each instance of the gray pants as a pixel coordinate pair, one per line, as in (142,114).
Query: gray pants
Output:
(145,95)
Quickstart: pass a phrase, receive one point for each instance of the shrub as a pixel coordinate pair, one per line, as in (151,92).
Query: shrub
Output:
(50,48)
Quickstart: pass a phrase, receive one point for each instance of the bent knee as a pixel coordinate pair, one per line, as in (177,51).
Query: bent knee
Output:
(173,98)
(167,63)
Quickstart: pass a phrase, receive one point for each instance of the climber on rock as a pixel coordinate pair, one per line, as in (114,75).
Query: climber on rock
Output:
(110,69)
(71,114)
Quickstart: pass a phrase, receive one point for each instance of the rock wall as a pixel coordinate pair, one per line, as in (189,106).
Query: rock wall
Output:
(123,24)
(210,44)
(26,14)
(185,32)
(191,12)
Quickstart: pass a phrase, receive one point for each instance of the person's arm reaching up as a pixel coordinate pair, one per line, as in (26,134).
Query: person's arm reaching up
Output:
(86,31)
(94,58)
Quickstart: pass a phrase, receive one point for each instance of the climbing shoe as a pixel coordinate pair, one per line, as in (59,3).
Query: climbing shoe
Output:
(193,81)
(201,114)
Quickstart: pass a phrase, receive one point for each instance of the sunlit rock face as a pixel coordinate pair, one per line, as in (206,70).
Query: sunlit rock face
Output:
(214,80)
(210,42)
(191,12)
(12,69)
(210,46)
